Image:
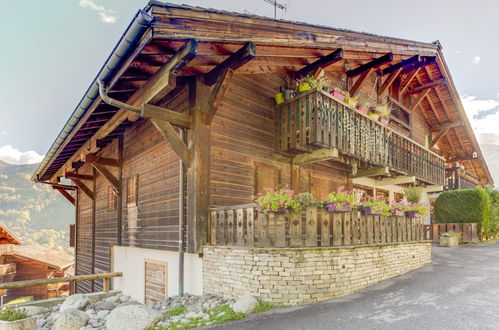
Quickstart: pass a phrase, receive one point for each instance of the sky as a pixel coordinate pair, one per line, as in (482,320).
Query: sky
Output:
(53,49)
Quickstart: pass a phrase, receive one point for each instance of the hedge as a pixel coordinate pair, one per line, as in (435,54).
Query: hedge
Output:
(466,205)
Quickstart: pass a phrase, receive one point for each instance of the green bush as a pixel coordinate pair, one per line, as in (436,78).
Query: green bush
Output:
(494,212)
(466,205)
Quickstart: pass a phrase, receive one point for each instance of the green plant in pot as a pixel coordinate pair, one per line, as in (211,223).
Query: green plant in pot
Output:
(372,206)
(384,110)
(413,193)
(277,200)
(306,199)
(340,201)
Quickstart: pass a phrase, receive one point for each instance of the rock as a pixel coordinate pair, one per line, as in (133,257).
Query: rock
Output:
(100,305)
(124,298)
(35,310)
(76,301)
(245,304)
(70,319)
(128,303)
(114,299)
(102,314)
(132,317)
(40,323)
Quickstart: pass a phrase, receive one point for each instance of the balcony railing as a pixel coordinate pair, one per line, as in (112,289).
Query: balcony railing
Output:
(318,120)
(456,178)
(244,225)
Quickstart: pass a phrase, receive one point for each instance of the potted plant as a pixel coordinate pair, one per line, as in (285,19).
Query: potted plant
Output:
(279,98)
(16,319)
(338,93)
(308,84)
(363,107)
(449,239)
(373,206)
(397,208)
(373,113)
(413,193)
(287,93)
(413,210)
(277,200)
(306,199)
(351,101)
(384,110)
(340,201)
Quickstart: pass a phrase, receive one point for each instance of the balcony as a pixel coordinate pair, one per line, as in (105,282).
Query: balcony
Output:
(458,178)
(313,226)
(317,120)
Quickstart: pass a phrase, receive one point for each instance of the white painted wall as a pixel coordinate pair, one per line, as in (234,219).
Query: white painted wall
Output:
(130,261)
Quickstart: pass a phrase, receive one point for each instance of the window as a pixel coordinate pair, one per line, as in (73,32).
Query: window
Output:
(111,199)
(131,190)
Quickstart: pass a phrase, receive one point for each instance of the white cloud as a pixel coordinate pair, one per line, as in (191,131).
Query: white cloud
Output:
(458,51)
(475,60)
(106,15)
(3,133)
(11,155)
(484,118)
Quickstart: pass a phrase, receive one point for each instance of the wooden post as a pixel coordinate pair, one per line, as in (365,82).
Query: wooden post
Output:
(105,285)
(198,174)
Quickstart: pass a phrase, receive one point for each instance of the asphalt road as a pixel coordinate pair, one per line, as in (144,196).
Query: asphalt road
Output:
(459,290)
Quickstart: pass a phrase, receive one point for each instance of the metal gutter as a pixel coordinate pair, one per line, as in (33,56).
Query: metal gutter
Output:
(133,33)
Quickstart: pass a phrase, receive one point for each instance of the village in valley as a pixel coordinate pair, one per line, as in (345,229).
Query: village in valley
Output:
(247,167)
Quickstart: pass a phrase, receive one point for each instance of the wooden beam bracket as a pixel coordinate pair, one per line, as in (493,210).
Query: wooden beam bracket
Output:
(108,175)
(316,156)
(429,85)
(370,65)
(65,193)
(395,181)
(81,186)
(321,63)
(371,171)
(171,135)
(73,175)
(92,158)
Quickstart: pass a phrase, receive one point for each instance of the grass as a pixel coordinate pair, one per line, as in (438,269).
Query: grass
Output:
(264,306)
(175,311)
(12,314)
(20,300)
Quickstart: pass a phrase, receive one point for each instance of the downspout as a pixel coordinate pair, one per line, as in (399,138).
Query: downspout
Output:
(181,223)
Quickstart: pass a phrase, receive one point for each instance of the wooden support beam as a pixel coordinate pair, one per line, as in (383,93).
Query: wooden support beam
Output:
(150,111)
(418,100)
(389,81)
(108,175)
(81,186)
(360,81)
(370,65)
(407,80)
(63,186)
(217,95)
(92,158)
(434,188)
(172,136)
(399,66)
(316,156)
(443,129)
(321,63)
(461,158)
(371,171)
(66,194)
(427,86)
(234,61)
(73,175)
(395,181)
(424,61)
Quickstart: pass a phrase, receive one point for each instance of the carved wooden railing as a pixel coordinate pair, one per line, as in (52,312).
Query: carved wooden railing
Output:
(456,178)
(245,225)
(318,120)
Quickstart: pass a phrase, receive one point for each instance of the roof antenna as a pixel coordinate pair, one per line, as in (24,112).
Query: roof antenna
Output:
(277,5)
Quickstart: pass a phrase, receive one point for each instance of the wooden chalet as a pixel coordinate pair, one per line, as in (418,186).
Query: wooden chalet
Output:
(181,123)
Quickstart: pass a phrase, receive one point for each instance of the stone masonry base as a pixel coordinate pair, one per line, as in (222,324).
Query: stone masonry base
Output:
(306,275)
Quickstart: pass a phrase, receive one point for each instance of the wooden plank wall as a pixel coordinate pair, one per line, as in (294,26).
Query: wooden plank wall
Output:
(84,247)
(28,270)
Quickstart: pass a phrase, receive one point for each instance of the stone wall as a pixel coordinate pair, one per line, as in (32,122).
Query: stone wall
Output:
(306,275)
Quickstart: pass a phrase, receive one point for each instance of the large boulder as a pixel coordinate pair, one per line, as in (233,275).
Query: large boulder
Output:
(132,317)
(34,310)
(76,301)
(245,304)
(70,319)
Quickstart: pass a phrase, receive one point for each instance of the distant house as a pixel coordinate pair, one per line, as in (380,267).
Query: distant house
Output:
(31,262)
(165,156)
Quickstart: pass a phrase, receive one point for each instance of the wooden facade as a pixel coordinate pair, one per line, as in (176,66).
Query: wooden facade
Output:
(188,123)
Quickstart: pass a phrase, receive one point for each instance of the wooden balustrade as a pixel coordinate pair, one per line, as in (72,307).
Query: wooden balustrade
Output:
(318,120)
(313,226)
(456,178)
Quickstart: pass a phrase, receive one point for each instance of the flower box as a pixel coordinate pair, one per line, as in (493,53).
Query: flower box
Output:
(411,214)
(397,213)
(384,120)
(368,210)
(24,324)
(340,96)
(449,241)
(338,207)
(362,109)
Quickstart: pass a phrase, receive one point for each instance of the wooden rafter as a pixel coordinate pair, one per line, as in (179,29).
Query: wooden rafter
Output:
(217,95)
(442,130)
(432,106)
(321,63)
(400,65)
(408,79)
(73,175)
(439,95)
(171,135)
(424,61)
(92,158)
(66,194)
(233,62)
(360,81)
(108,175)
(315,156)
(462,158)
(389,81)
(418,100)
(81,186)
(370,65)
(371,171)
(429,85)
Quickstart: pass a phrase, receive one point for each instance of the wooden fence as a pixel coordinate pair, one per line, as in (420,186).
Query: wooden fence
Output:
(245,225)
(468,231)
(318,120)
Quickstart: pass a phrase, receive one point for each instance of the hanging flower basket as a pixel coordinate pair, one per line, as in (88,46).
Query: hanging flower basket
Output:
(338,206)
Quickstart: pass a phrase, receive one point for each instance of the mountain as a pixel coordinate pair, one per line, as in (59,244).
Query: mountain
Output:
(34,212)
(491,154)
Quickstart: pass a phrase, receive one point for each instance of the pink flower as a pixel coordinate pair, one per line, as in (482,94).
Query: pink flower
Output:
(341,188)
